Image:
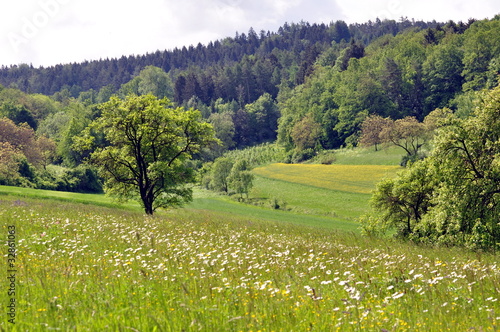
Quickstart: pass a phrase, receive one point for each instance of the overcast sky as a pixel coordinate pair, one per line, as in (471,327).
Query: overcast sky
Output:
(48,32)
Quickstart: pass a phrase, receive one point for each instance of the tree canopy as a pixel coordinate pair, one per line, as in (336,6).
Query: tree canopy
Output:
(147,144)
(453,196)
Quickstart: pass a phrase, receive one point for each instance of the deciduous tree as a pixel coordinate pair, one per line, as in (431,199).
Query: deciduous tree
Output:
(220,173)
(151,80)
(23,139)
(402,202)
(9,164)
(241,179)
(453,196)
(407,133)
(306,133)
(150,142)
(371,128)
(467,156)
(224,130)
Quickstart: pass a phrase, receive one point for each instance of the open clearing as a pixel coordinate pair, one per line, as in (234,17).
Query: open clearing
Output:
(220,265)
(347,178)
(89,268)
(327,196)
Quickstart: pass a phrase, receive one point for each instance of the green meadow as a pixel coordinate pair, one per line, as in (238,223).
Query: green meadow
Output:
(87,263)
(93,199)
(310,200)
(81,267)
(386,155)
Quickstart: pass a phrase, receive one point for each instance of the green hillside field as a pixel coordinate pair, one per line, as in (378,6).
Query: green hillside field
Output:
(203,201)
(82,267)
(221,265)
(328,196)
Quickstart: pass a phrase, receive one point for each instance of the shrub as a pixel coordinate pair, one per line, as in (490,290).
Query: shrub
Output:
(302,155)
(82,178)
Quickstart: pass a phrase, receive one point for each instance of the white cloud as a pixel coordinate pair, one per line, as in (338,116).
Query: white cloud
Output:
(457,10)
(47,32)
(440,10)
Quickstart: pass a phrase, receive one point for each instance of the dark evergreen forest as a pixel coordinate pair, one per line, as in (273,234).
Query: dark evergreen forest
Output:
(257,63)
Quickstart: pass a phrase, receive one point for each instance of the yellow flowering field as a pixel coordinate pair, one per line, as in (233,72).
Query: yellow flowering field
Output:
(84,268)
(348,178)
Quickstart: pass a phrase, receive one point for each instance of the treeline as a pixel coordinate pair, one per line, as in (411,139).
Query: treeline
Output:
(36,137)
(409,74)
(257,62)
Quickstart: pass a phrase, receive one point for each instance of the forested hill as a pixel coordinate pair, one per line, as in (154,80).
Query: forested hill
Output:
(258,62)
(308,87)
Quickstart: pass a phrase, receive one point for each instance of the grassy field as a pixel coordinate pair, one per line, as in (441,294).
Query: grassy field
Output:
(94,199)
(346,178)
(338,191)
(89,268)
(231,207)
(389,156)
(331,196)
(208,201)
(310,200)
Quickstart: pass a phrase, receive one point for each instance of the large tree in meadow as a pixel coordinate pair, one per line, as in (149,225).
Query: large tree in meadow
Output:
(149,142)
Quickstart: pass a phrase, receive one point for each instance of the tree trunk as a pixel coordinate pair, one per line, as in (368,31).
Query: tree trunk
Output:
(148,209)
(147,202)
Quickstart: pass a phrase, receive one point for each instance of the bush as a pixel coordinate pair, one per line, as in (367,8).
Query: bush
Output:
(83,179)
(325,157)
(277,204)
(302,155)
(411,159)
(88,180)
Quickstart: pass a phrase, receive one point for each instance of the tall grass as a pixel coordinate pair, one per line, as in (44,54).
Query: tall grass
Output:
(84,268)
(94,199)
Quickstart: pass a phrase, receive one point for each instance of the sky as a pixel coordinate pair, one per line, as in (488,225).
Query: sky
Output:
(50,32)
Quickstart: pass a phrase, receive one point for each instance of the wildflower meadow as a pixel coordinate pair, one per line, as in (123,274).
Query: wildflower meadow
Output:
(88,268)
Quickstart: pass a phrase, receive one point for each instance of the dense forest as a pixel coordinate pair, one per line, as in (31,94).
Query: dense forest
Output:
(258,62)
(307,86)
